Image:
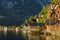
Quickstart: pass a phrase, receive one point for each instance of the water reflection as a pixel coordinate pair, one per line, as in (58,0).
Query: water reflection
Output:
(33,36)
(5,31)
(25,35)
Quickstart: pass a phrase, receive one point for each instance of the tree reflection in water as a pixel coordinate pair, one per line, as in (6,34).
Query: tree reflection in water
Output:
(25,35)
(33,36)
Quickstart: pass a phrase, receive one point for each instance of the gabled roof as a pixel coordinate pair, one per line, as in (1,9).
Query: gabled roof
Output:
(50,22)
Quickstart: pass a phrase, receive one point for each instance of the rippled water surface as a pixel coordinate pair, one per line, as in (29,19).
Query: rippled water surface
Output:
(25,35)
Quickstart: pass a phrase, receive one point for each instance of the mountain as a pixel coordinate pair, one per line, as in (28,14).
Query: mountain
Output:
(14,12)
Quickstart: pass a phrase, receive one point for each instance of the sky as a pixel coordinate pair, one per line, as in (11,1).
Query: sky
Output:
(14,12)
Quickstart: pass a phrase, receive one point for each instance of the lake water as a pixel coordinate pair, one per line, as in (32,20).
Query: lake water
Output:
(24,35)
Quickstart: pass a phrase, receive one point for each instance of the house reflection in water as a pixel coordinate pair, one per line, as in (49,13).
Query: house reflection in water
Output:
(32,36)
